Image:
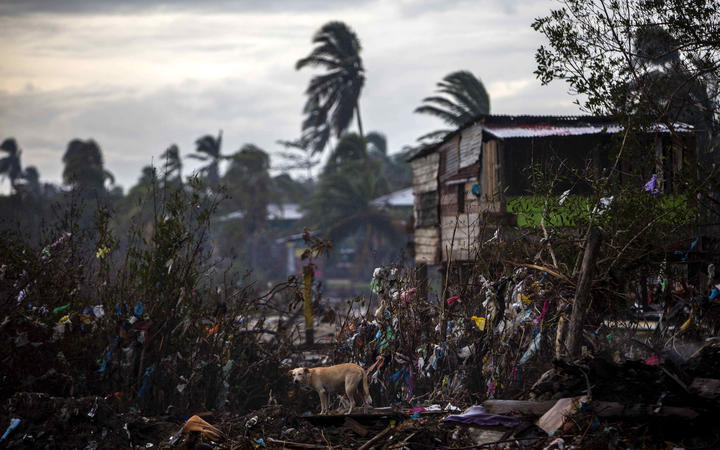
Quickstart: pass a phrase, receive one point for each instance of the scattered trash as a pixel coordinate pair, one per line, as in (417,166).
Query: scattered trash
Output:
(13,424)
(650,185)
(477,415)
(553,420)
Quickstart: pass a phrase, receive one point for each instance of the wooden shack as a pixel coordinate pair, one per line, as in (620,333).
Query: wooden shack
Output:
(462,185)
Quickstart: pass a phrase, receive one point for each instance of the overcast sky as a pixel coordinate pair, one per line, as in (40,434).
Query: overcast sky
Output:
(137,76)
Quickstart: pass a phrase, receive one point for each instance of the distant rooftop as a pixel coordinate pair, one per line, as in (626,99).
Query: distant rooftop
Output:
(286,211)
(403,197)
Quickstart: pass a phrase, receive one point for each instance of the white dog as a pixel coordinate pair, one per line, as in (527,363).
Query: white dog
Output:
(338,379)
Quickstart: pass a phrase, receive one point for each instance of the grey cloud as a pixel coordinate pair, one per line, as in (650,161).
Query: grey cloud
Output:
(20,7)
(135,127)
(134,124)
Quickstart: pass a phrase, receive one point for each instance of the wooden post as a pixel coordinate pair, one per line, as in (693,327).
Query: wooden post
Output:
(421,274)
(577,316)
(308,275)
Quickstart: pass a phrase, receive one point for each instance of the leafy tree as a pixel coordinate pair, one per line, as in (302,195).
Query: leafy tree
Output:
(653,60)
(644,62)
(461,97)
(84,169)
(208,148)
(10,165)
(333,97)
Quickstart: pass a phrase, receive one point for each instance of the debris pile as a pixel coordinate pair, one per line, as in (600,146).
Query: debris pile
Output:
(479,363)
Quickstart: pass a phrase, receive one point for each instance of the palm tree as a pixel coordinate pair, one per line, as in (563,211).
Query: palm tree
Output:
(377,143)
(249,185)
(172,165)
(396,170)
(84,168)
(10,165)
(333,97)
(32,178)
(298,155)
(351,150)
(342,204)
(462,97)
(208,148)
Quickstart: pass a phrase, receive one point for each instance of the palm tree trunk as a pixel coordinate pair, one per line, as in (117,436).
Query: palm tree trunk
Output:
(359,120)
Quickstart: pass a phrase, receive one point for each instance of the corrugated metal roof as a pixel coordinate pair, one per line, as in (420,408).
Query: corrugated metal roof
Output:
(528,126)
(546,130)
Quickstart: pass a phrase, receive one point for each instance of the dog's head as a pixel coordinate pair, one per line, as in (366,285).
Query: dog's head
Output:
(299,375)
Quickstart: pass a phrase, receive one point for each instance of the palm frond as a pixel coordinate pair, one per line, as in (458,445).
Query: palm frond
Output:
(437,112)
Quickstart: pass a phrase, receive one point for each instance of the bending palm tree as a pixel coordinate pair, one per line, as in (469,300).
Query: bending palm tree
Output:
(462,98)
(208,148)
(172,162)
(333,97)
(10,165)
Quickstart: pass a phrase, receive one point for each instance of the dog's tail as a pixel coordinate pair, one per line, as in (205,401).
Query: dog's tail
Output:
(366,390)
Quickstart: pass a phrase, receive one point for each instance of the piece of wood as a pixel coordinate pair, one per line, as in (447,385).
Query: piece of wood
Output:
(355,426)
(421,276)
(577,317)
(377,437)
(293,444)
(560,338)
(525,407)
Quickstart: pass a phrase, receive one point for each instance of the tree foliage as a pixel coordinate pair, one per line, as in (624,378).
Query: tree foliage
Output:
(649,60)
